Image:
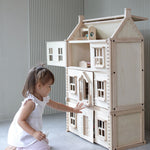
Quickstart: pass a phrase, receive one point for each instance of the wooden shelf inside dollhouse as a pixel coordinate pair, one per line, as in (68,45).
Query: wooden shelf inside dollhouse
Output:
(80,68)
(90,69)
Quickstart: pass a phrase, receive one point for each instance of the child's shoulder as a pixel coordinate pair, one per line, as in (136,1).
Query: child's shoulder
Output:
(30,98)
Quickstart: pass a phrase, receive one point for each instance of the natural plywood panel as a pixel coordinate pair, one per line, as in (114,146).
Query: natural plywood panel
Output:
(128,76)
(129,30)
(127,134)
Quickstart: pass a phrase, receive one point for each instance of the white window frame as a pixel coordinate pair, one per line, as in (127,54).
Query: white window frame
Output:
(102,129)
(60,54)
(99,57)
(73,85)
(73,119)
(101,90)
(50,52)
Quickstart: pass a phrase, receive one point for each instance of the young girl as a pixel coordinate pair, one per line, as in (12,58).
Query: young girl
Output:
(25,132)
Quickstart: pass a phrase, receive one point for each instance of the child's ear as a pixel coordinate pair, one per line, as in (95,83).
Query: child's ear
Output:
(38,85)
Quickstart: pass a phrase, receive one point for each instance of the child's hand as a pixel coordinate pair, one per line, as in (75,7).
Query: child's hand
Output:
(78,108)
(39,135)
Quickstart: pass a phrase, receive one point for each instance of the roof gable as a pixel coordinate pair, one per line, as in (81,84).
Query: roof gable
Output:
(127,29)
(122,26)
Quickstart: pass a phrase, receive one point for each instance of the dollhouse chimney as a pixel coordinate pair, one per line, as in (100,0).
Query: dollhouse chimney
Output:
(127,12)
(80,19)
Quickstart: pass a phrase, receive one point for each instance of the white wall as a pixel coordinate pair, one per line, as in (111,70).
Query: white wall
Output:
(14,54)
(103,8)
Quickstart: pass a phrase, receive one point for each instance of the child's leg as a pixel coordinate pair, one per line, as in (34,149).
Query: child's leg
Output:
(38,145)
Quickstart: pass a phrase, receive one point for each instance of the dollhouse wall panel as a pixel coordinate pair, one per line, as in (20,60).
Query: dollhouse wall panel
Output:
(87,123)
(82,93)
(128,129)
(127,80)
(56,53)
(84,122)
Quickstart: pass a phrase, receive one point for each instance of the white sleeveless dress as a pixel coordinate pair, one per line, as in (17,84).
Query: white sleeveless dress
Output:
(16,135)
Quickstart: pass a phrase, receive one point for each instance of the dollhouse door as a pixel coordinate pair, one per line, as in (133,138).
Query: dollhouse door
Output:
(85,82)
(56,53)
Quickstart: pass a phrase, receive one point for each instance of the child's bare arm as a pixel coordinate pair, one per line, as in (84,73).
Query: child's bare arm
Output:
(25,113)
(62,107)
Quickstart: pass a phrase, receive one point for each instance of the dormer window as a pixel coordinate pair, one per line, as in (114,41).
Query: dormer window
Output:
(99,57)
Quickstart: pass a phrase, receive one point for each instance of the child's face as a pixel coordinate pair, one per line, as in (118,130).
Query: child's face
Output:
(44,90)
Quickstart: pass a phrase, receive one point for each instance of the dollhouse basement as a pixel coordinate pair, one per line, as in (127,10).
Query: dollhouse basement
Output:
(104,61)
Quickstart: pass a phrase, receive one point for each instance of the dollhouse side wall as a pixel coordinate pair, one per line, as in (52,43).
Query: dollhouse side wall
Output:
(127,66)
(128,74)
(128,129)
(128,84)
(127,87)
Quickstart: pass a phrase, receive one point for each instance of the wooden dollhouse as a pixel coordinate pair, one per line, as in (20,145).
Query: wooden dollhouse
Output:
(104,60)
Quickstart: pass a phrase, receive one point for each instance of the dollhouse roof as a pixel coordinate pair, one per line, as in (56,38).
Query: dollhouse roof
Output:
(135,18)
(109,27)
